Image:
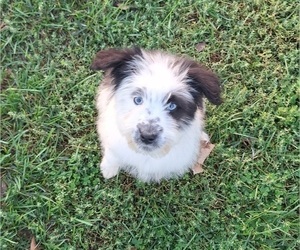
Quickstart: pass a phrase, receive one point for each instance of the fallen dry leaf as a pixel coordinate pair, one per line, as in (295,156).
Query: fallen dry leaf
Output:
(200,46)
(2,26)
(33,245)
(206,148)
(198,169)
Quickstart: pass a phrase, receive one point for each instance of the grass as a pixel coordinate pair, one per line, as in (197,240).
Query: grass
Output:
(248,197)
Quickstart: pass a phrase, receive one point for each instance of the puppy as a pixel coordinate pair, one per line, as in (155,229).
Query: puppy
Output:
(151,112)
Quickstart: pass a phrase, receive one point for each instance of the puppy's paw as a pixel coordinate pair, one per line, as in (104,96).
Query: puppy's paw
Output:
(109,171)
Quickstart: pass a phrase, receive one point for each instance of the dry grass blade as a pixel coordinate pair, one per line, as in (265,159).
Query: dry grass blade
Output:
(3,188)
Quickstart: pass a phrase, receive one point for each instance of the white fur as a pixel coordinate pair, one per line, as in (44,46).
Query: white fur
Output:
(119,116)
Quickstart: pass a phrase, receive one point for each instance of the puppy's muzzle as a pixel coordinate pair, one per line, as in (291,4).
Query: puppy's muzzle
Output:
(149,133)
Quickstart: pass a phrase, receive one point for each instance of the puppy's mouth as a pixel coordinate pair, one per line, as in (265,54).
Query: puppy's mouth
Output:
(148,148)
(148,143)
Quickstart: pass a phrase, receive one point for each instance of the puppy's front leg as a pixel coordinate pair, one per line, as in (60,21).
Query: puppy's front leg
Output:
(109,166)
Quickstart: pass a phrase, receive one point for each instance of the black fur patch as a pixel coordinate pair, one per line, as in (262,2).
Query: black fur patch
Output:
(116,62)
(185,110)
(196,91)
(205,83)
(123,68)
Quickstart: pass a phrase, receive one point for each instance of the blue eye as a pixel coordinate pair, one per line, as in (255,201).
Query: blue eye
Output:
(138,100)
(171,106)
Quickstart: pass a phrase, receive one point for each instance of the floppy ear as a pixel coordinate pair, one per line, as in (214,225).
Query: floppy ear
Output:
(112,58)
(206,82)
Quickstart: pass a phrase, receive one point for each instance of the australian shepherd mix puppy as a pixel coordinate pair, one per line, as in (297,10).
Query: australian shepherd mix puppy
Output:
(151,112)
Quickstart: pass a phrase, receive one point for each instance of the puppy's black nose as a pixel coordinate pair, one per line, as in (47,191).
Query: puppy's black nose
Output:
(148,137)
(149,132)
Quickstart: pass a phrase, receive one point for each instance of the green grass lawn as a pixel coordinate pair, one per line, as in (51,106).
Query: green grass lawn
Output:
(248,196)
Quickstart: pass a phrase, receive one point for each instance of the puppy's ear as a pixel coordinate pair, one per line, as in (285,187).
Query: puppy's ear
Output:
(112,58)
(206,82)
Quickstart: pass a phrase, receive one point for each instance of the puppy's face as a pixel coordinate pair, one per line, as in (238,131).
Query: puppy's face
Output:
(156,95)
(153,106)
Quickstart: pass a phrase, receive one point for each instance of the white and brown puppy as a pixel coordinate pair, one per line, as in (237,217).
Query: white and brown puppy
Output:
(151,112)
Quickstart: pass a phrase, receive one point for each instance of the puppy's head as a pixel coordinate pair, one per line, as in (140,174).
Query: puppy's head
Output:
(156,95)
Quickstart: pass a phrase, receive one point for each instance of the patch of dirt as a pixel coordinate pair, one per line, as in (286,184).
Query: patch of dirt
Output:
(215,58)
